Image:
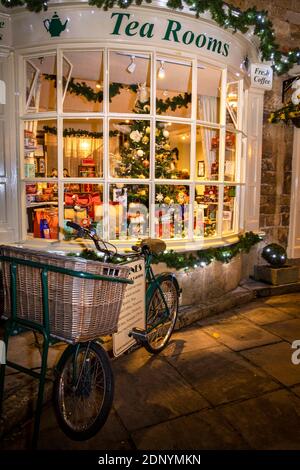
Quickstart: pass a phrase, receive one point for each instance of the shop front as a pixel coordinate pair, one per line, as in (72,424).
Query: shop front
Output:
(138,122)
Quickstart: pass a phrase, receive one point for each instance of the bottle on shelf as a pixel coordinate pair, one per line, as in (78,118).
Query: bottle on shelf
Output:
(44,227)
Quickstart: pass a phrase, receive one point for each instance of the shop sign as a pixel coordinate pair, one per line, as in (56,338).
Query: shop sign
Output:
(133,308)
(157,28)
(173,31)
(262,76)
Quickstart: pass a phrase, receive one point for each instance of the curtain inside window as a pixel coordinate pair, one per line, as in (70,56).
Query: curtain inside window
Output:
(208,112)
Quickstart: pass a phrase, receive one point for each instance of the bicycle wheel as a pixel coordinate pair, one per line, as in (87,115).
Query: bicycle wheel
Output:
(160,322)
(83,390)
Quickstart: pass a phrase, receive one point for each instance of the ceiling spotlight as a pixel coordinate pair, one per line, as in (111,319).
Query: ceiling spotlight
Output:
(161,72)
(131,67)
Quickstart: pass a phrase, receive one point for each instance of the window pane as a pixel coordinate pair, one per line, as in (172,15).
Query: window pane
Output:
(232,103)
(83,148)
(230,156)
(129,148)
(83,204)
(129,82)
(208,94)
(207,153)
(173,87)
(40,149)
(41,210)
(41,84)
(205,211)
(171,211)
(85,87)
(128,211)
(172,150)
(229,208)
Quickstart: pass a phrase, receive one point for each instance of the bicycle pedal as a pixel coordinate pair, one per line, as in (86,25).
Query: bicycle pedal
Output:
(138,334)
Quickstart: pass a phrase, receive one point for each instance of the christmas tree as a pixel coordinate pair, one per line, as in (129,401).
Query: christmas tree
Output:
(135,149)
(134,162)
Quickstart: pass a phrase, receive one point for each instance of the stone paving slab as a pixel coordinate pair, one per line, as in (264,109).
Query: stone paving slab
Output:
(271,421)
(288,330)
(262,314)
(149,390)
(202,430)
(275,359)
(221,375)
(187,340)
(288,303)
(240,334)
(113,435)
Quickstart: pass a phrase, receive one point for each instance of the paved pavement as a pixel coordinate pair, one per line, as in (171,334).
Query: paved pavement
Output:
(223,383)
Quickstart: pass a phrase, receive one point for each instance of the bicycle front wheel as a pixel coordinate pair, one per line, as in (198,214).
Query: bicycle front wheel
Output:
(161,320)
(83,390)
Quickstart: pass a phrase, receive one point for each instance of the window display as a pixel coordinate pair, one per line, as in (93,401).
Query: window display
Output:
(143,144)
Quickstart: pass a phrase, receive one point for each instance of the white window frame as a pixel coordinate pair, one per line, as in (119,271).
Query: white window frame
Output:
(190,242)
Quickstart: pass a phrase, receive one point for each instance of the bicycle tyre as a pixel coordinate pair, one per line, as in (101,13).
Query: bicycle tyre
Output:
(158,338)
(63,390)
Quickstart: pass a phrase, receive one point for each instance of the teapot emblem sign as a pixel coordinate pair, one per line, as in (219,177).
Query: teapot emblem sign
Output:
(55,26)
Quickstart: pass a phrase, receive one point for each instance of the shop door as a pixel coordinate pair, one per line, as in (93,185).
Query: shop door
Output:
(294,229)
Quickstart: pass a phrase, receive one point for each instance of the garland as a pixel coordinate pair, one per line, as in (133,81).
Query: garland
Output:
(290,112)
(78,132)
(196,259)
(225,15)
(82,89)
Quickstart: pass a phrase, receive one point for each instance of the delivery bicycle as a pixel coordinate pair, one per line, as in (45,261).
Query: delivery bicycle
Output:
(83,387)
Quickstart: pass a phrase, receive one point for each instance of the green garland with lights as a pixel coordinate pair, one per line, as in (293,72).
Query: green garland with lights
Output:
(82,89)
(200,258)
(225,15)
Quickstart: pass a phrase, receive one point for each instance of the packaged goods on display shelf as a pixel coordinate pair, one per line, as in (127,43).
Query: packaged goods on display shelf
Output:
(46,223)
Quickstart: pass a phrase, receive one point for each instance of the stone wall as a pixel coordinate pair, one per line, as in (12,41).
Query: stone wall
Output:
(277,138)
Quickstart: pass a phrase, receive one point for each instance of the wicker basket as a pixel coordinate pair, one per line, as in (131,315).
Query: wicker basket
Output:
(79,309)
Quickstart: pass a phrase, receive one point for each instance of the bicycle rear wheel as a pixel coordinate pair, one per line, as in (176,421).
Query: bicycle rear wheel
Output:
(83,390)
(160,320)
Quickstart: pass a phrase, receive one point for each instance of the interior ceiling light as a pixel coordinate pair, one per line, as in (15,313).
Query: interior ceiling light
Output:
(161,73)
(98,86)
(131,67)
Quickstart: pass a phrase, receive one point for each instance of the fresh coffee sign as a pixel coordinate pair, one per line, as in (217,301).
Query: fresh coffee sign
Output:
(261,76)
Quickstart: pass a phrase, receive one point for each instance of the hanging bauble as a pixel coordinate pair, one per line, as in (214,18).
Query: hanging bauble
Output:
(274,254)
(142,92)
(140,152)
(141,176)
(166,133)
(167,200)
(142,192)
(146,163)
(148,130)
(145,139)
(167,147)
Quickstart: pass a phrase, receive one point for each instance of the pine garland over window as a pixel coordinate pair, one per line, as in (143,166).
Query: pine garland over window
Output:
(225,15)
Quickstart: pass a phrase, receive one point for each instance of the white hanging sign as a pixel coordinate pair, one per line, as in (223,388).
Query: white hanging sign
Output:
(262,76)
(133,308)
